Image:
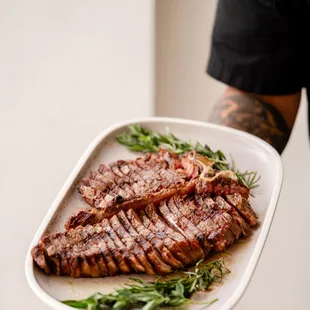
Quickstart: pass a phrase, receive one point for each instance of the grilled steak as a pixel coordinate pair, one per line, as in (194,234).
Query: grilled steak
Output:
(180,245)
(131,182)
(244,227)
(178,233)
(243,206)
(136,183)
(131,244)
(153,215)
(141,237)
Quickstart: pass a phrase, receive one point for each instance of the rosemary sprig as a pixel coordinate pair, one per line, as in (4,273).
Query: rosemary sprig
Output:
(151,295)
(247,178)
(143,140)
(140,139)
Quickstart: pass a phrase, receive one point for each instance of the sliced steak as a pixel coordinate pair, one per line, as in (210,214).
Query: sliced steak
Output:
(163,267)
(183,213)
(181,247)
(209,205)
(123,185)
(101,189)
(129,256)
(210,221)
(131,244)
(96,215)
(183,226)
(245,228)
(154,258)
(78,253)
(243,206)
(117,256)
(155,214)
(168,244)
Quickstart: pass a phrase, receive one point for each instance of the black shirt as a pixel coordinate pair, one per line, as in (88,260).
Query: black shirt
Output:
(261,46)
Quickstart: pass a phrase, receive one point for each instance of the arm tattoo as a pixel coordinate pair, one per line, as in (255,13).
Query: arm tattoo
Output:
(253,115)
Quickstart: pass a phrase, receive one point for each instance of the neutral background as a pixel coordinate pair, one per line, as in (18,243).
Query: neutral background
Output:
(183,32)
(68,69)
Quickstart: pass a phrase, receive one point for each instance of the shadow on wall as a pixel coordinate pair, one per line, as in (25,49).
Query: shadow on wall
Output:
(183,33)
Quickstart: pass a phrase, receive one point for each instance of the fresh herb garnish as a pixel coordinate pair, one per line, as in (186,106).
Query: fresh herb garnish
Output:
(151,295)
(140,139)
(247,178)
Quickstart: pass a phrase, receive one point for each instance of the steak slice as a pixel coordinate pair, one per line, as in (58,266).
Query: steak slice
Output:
(227,217)
(117,256)
(163,267)
(104,253)
(174,205)
(128,255)
(181,247)
(131,244)
(245,228)
(243,206)
(167,242)
(209,230)
(217,226)
(155,259)
(183,226)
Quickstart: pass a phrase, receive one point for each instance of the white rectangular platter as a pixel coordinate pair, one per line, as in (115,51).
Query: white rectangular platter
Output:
(249,153)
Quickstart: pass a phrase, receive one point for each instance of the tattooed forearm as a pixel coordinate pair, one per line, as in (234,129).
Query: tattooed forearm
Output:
(253,115)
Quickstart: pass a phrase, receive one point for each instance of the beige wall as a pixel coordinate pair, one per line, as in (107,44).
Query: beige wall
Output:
(183,31)
(68,69)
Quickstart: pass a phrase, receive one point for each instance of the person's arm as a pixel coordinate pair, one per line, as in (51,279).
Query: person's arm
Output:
(257,52)
(268,117)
